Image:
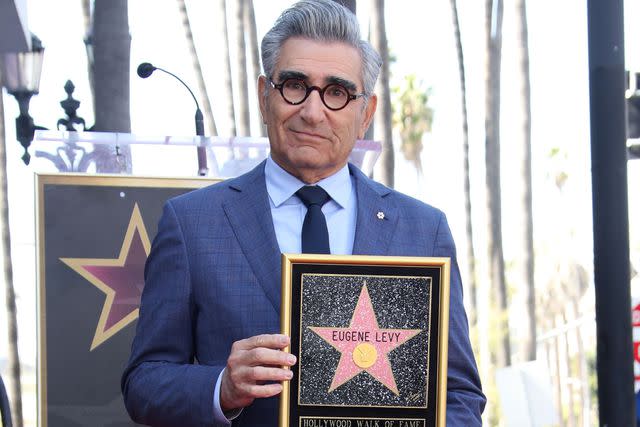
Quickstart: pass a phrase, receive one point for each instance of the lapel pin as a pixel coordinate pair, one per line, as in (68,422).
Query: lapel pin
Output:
(380,215)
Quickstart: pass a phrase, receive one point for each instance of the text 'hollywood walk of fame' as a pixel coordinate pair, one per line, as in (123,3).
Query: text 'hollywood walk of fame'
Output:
(337,422)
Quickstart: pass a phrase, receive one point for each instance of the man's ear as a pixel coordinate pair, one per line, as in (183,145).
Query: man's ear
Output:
(262,97)
(369,111)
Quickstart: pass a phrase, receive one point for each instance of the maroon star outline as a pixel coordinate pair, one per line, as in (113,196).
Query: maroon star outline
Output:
(121,279)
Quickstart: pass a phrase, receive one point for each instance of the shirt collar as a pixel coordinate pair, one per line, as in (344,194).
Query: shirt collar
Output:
(281,185)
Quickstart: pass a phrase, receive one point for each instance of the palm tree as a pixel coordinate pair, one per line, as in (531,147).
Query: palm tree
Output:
(471,258)
(110,69)
(412,116)
(86,19)
(86,15)
(12,320)
(226,65)
(385,166)
(252,47)
(244,120)
(528,351)
(208,113)
(493,28)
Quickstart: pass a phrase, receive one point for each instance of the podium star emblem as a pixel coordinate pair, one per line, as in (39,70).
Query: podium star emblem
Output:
(364,346)
(121,279)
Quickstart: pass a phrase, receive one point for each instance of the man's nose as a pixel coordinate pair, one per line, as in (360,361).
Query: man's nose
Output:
(313,109)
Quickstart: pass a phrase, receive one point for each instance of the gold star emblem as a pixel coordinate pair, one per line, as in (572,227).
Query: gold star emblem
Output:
(121,279)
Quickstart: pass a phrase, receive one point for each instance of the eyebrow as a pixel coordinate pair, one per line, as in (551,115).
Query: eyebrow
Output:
(290,74)
(343,82)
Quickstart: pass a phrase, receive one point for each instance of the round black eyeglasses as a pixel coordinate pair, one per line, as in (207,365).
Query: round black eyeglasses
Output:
(334,96)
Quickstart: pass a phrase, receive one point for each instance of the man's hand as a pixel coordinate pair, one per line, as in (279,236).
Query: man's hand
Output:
(254,370)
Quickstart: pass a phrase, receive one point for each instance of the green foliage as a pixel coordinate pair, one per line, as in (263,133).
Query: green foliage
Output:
(558,159)
(412,116)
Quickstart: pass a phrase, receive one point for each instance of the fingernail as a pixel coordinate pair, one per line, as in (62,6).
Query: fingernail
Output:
(291,359)
(284,339)
(289,375)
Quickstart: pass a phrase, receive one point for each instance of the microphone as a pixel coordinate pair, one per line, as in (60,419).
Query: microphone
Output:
(145,70)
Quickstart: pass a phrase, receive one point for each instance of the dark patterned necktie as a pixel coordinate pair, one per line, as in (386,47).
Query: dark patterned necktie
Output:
(315,237)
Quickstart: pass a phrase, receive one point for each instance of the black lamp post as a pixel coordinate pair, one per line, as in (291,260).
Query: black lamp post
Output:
(21,76)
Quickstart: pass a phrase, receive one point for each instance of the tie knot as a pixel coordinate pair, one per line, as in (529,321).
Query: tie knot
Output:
(313,195)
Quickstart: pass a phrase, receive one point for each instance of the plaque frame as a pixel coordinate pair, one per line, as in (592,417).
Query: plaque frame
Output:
(302,272)
(71,306)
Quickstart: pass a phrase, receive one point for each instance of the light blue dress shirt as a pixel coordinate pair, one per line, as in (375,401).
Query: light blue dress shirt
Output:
(288,212)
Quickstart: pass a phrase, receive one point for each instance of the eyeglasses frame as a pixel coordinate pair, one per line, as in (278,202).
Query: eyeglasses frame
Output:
(280,88)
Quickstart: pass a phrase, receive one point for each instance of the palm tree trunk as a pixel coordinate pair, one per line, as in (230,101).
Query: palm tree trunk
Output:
(86,15)
(528,351)
(244,122)
(206,104)
(226,65)
(111,48)
(369,134)
(493,24)
(86,19)
(111,53)
(252,47)
(385,165)
(12,318)
(471,258)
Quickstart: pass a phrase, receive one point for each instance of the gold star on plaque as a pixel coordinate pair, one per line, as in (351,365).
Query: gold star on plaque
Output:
(121,279)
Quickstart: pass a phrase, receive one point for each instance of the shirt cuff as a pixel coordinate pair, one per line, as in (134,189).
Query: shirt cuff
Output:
(221,417)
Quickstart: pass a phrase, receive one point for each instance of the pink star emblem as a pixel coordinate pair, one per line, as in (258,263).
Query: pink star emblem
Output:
(121,279)
(364,346)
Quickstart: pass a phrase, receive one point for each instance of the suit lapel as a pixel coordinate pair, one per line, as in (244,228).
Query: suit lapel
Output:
(249,214)
(377,216)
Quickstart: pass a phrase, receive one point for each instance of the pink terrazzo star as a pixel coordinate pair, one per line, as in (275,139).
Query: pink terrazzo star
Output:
(364,329)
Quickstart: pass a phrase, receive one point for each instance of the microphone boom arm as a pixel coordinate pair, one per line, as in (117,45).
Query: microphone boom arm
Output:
(145,70)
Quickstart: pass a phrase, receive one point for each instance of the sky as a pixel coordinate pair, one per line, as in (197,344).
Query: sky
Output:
(420,36)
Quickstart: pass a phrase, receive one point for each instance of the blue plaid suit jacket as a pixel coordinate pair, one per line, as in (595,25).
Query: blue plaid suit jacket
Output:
(213,277)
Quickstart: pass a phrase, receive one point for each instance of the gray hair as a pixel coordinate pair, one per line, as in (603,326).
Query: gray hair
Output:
(322,20)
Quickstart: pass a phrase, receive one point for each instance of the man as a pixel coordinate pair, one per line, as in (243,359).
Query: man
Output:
(212,292)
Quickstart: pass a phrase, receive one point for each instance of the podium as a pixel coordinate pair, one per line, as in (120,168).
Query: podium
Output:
(91,152)
(99,197)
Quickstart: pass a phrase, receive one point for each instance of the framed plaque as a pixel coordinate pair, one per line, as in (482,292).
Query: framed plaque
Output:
(94,234)
(370,334)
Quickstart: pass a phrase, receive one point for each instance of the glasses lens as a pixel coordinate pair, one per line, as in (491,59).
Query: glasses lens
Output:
(336,96)
(294,90)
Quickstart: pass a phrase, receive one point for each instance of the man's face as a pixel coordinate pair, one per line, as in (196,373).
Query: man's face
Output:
(309,140)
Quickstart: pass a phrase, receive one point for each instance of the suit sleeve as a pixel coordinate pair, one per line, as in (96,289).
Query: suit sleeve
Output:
(161,384)
(465,400)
